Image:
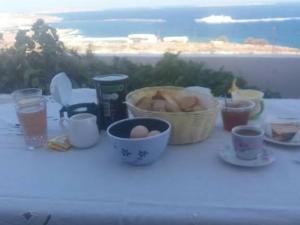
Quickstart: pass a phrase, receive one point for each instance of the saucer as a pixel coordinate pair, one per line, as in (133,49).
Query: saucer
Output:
(283,143)
(263,159)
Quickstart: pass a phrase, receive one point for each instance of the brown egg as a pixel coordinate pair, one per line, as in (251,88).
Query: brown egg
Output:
(139,132)
(153,133)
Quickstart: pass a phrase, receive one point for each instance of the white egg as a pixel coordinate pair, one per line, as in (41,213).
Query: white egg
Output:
(153,133)
(139,132)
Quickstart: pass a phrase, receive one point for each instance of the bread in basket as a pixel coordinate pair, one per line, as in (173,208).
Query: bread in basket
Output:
(187,127)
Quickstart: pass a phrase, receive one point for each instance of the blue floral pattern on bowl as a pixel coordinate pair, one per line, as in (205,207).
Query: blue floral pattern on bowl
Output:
(140,151)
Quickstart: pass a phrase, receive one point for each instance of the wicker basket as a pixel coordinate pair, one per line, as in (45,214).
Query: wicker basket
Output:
(187,127)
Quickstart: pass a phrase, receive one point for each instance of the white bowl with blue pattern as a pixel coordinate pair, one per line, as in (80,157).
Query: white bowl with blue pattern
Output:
(139,151)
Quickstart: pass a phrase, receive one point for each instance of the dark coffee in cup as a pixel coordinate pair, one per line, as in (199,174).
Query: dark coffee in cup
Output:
(247,141)
(247,132)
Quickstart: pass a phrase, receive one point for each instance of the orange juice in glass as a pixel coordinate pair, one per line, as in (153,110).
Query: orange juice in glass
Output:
(32,115)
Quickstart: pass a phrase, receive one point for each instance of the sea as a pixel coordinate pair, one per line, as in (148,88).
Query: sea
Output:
(279,24)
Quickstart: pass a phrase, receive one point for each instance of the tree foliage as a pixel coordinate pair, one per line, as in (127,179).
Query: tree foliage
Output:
(38,55)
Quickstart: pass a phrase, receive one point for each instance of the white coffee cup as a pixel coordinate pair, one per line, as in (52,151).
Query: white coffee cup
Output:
(247,141)
(81,129)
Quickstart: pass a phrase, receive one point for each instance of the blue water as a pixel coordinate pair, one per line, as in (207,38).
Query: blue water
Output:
(283,27)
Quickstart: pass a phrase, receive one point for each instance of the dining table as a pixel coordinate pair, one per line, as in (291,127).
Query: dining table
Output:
(189,184)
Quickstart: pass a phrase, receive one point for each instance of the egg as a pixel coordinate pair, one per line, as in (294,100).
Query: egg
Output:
(153,133)
(139,132)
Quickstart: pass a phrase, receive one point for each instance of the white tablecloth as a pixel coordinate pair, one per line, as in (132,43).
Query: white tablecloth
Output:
(190,184)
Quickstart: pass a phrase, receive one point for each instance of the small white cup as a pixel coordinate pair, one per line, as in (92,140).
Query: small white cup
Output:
(81,129)
(247,146)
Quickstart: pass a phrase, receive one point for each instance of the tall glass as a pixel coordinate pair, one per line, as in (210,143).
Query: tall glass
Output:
(31,111)
(27,93)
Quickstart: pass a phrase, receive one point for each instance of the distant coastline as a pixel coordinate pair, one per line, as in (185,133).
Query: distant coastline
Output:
(121,45)
(145,43)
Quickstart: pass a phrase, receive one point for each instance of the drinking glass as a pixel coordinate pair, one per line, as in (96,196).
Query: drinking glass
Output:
(253,95)
(31,111)
(26,93)
(235,113)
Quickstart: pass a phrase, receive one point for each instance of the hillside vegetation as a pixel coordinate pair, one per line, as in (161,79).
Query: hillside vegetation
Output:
(38,54)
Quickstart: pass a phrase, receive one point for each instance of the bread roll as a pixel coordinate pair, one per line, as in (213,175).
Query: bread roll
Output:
(198,107)
(158,96)
(163,101)
(172,107)
(159,105)
(171,104)
(187,103)
(144,103)
(284,131)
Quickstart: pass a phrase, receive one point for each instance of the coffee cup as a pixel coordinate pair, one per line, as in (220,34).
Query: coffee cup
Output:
(82,130)
(247,141)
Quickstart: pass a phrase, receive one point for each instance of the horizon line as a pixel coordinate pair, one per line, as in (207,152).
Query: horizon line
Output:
(77,10)
(158,7)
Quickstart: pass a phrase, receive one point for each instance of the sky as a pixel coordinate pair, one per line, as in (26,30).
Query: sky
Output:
(27,6)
